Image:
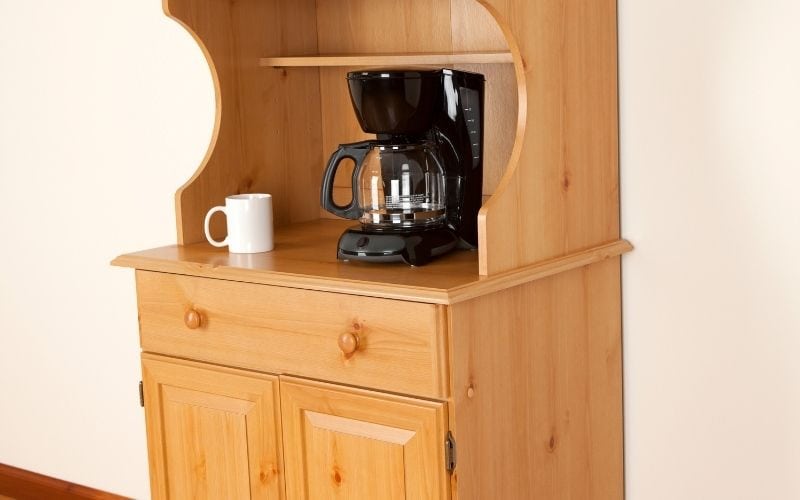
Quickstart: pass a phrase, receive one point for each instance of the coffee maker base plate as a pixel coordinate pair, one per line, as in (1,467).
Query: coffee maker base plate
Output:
(416,248)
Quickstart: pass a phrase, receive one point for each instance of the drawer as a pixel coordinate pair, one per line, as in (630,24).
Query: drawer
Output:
(399,346)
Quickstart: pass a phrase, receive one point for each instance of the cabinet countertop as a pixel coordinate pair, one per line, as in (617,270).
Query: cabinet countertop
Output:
(305,257)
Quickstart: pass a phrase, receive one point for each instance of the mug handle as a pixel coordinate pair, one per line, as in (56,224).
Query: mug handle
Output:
(211,240)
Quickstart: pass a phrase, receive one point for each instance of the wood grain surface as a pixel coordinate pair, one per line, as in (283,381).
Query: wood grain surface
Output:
(266,120)
(212,432)
(292,331)
(304,257)
(21,484)
(537,385)
(561,189)
(343,443)
(421,59)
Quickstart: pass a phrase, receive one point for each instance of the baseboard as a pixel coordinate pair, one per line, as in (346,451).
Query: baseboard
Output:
(20,484)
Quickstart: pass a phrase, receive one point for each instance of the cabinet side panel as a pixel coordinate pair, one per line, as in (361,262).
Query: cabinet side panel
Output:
(266,118)
(563,193)
(206,21)
(537,387)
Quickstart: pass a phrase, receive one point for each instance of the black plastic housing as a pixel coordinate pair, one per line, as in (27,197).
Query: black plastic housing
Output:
(395,102)
(440,105)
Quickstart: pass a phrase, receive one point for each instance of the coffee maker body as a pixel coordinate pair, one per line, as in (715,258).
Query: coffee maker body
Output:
(416,189)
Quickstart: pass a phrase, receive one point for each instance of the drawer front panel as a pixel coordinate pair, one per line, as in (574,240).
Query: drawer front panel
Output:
(398,346)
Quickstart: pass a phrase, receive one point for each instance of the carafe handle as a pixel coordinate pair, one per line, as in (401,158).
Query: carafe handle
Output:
(356,151)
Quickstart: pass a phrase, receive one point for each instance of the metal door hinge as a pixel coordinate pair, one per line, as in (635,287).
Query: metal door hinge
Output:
(141,394)
(450,452)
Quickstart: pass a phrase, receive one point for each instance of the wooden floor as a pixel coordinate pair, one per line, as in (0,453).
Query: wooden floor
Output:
(20,484)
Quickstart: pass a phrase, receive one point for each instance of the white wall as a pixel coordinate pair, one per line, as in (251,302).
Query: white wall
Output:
(106,107)
(710,115)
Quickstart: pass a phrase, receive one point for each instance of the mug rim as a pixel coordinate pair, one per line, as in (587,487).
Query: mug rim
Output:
(248,196)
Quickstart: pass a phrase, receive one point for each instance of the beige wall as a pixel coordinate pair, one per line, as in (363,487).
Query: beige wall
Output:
(106,107)
(711,198)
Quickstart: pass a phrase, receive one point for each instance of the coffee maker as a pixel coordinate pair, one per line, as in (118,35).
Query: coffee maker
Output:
(417,187)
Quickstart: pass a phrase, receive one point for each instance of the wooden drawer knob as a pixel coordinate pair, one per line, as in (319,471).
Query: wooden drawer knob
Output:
(192,319)
(348,343)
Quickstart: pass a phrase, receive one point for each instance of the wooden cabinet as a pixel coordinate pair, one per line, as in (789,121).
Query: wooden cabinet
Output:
(493,373)
(523,383)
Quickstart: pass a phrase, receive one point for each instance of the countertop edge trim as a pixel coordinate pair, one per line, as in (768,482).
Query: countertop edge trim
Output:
(484,286)
(533,272)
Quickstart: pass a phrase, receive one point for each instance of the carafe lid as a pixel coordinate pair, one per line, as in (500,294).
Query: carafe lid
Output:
(406,73)
(399,145)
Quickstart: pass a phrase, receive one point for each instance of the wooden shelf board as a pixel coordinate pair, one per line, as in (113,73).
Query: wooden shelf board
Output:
(389,59)
(305,257)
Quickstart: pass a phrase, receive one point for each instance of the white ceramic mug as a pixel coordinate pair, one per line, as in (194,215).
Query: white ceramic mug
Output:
(249,223)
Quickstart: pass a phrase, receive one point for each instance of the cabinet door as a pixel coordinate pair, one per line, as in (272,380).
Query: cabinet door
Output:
(344,443)
(212,432)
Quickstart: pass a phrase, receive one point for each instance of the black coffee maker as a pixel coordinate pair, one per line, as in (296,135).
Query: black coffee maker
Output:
(417,187)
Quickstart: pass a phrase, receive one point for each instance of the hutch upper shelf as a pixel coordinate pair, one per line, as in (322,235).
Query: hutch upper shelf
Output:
(422,59)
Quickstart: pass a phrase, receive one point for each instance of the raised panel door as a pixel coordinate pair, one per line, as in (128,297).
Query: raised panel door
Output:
(353,444)
(213,432)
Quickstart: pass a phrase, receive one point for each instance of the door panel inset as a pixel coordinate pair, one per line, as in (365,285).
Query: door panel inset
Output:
(344,443)
(212,432)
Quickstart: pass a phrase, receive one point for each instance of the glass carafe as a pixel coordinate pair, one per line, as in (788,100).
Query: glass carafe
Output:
(395,186)
(401,185)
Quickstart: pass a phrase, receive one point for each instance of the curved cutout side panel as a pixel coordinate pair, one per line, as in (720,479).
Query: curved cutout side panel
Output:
(266,118)
(561,193)
(215,41)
